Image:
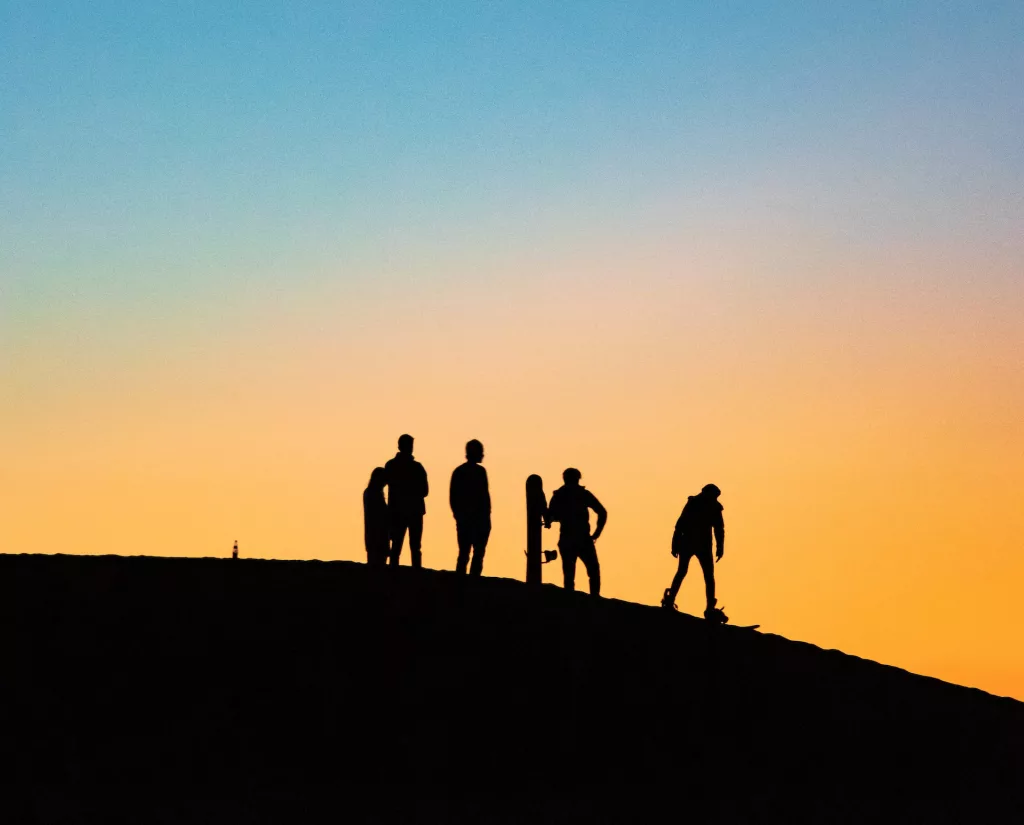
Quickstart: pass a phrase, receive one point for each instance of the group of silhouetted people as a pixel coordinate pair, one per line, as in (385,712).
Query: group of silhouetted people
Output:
(386,522)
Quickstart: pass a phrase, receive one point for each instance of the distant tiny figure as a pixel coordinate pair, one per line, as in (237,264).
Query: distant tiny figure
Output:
(407,489)
(701,517)
(375,519)
(570,505)
(470,499)
(234,550)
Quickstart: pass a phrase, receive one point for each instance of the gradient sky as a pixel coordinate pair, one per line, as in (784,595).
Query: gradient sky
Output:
(777,246)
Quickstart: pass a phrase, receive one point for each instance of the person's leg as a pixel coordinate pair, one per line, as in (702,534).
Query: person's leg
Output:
(677,581)
(707,564)
(379,547)
(568,553)
(480,536)
(415,540)
(397,528)
(588,555)
(464,537)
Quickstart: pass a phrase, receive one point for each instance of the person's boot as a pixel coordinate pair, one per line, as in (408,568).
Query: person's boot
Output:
(666,600)
(715,614)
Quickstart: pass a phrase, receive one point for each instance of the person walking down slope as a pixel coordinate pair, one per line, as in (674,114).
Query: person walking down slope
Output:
(375,520)
(569,506)
(470,499)
(701,517)
(407,489)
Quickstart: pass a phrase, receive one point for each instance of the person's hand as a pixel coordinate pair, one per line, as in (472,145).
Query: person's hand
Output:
(719,554)
(675,553)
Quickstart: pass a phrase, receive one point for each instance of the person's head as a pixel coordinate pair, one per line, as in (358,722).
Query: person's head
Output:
(572,476)
(711,491)
(405,444)
(474,451)
(378,478)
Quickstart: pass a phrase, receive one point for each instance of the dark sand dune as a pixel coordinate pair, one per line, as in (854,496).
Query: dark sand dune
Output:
(151,690)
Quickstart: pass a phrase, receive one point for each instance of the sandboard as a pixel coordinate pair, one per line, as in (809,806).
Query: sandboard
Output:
(737,626)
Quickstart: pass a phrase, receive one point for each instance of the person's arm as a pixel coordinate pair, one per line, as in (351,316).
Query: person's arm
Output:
(367,518)
(426,487)
(602,515)
(453,493)
(677,536)
(719,527)
(387,482)
(554,511)
(487,491)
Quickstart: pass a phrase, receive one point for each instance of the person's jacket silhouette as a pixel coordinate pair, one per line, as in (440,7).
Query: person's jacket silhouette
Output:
(700,520)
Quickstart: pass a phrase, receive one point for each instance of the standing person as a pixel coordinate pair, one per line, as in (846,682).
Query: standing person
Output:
(470,498)
(375,519)
(701,517)
(570,505)
(407,487)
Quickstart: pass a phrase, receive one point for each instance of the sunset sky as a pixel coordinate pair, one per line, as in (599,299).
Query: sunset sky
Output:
(776,246)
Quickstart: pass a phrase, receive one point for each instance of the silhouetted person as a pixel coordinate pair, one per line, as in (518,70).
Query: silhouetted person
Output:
(407,487)
(470,498)
(701,517)
(375,519)
(569,506)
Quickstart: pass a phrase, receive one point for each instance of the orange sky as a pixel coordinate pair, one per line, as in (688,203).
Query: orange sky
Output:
(865,428)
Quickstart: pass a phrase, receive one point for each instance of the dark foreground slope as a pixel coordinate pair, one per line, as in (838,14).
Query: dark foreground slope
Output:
(150,690)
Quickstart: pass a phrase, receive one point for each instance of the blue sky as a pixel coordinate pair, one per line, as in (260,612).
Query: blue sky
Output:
(151,154)
(184,116)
